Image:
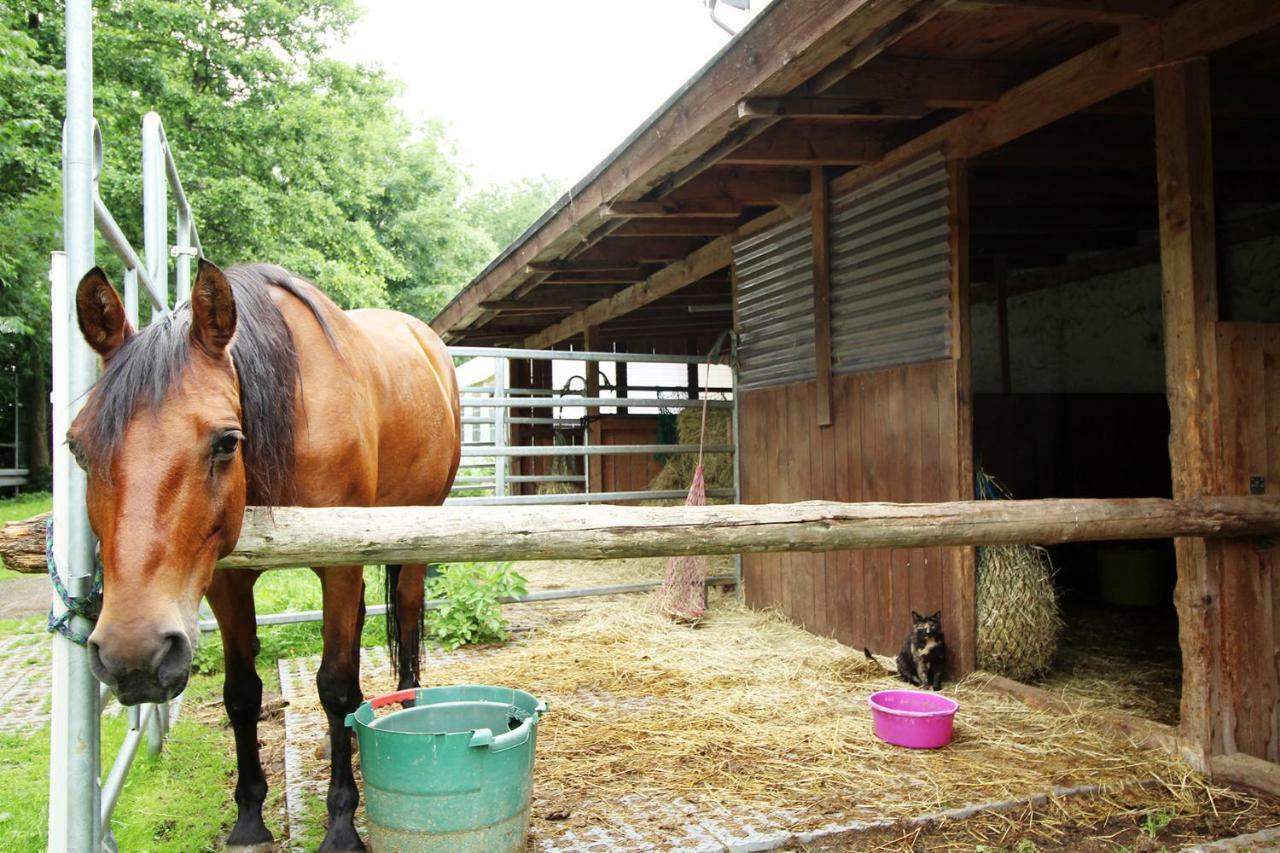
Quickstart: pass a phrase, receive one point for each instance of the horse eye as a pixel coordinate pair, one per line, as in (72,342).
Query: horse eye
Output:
(224,446)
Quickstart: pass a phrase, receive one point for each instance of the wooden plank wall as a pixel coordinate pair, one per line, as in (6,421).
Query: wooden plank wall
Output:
(1249,575)
(624,473)
(892,438)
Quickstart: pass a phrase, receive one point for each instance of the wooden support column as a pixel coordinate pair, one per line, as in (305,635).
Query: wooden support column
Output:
(821,294)
(1184,170)
(620,381)
(961,581)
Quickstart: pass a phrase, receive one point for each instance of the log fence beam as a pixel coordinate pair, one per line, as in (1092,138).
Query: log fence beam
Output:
(283,537)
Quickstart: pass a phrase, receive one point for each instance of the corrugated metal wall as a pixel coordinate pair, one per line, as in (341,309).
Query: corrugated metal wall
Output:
(891,270)
(774,274)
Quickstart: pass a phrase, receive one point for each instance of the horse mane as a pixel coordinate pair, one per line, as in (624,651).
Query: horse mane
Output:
(140,374)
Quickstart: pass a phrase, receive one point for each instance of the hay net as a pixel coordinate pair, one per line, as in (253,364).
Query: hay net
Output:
(1019,618)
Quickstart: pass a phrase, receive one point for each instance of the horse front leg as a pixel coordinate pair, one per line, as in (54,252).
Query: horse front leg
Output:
(338,682)
(231,597)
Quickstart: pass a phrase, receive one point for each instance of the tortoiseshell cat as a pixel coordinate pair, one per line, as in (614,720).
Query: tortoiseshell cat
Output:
(923,659)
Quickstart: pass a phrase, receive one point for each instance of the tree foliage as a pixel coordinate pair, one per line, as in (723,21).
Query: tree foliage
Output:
(286,154)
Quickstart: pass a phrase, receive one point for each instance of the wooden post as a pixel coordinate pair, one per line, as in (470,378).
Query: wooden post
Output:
(821,294)
(1184,170)
(961,583)
(620,380)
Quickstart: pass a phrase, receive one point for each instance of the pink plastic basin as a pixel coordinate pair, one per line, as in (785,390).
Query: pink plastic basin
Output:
(913,718)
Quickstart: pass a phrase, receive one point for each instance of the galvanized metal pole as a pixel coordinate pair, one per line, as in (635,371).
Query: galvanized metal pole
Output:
(499,426)
(155,204)
(74,796)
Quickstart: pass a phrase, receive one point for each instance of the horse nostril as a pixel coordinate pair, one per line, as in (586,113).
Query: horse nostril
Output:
(98,666)
(173,659)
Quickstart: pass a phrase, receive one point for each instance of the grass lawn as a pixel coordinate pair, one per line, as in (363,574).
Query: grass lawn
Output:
(23,506)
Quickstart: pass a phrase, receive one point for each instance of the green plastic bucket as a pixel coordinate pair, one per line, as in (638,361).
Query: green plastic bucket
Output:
(453,773)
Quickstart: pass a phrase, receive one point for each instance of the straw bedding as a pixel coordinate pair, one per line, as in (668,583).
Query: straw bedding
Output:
(750,710)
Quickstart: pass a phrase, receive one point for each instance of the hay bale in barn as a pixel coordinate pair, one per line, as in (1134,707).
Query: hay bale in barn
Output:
(1019,619)
(561,466)
(677,473)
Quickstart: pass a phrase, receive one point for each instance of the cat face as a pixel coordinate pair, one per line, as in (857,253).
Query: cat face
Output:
(926,627)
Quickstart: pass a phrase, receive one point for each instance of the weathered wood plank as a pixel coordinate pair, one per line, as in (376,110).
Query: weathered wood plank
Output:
(821,294)
(281,537)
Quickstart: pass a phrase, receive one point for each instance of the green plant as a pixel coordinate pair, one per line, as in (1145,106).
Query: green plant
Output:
(1155,821)
(470,603)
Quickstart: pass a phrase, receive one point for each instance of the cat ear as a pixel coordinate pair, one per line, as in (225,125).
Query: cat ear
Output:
(916,617)
(937,617)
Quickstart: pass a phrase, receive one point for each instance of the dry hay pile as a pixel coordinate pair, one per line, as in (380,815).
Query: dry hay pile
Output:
(717,467)
(1019,620)
(753,712)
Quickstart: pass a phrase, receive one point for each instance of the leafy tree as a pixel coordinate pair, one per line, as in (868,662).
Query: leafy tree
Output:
(505,211)
(287,155)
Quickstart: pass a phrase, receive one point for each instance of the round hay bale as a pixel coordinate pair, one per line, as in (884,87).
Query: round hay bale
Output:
(717,468)
(1019,619)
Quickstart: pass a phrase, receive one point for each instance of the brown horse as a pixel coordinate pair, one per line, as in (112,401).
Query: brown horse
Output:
(258,391)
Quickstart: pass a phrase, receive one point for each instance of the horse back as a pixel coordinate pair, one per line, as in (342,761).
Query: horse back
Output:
(379,419)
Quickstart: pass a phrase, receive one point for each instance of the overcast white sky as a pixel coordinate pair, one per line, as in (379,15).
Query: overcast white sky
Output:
(537,87)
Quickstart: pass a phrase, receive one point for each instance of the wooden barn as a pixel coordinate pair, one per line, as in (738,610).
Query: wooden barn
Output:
(1039,236)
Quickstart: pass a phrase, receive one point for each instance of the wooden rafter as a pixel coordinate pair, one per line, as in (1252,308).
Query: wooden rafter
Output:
(1088,11)
(933,82)
(671,209)
(714,256)
(674,228)
(832,109)
(817,144)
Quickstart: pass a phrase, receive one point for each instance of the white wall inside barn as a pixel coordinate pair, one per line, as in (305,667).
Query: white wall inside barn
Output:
(1104,334)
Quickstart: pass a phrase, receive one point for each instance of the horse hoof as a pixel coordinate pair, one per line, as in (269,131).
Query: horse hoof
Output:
(250,839)
(341,840)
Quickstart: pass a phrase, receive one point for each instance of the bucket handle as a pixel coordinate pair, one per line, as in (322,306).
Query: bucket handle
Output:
(518,736)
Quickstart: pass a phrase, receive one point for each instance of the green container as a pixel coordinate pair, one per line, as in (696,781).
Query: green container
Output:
(453,773)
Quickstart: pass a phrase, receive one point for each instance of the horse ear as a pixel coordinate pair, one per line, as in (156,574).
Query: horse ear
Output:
(213,310)
(101,314)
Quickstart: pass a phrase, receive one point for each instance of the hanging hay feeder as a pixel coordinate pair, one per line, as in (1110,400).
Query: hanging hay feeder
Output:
(1019,620)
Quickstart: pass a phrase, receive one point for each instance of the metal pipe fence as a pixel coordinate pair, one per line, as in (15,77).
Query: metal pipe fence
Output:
(80,805)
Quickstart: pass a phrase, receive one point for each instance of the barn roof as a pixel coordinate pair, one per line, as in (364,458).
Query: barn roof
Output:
(845,90)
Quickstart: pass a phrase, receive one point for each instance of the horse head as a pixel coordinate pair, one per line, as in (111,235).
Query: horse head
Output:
(160,439)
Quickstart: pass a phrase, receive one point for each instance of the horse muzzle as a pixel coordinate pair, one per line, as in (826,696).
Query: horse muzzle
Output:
(154,668)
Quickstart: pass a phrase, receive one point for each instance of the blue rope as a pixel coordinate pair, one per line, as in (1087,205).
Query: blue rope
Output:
(86,607)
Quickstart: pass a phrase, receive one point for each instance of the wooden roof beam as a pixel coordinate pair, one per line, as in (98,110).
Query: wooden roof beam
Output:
(714,256)
(623,268)
(832,109)
(674,228)
(1117,12)
(819,144)
(671,210)
(1195,28)
(934,82)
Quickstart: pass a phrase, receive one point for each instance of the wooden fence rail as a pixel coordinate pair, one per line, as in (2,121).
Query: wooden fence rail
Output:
(291,536)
